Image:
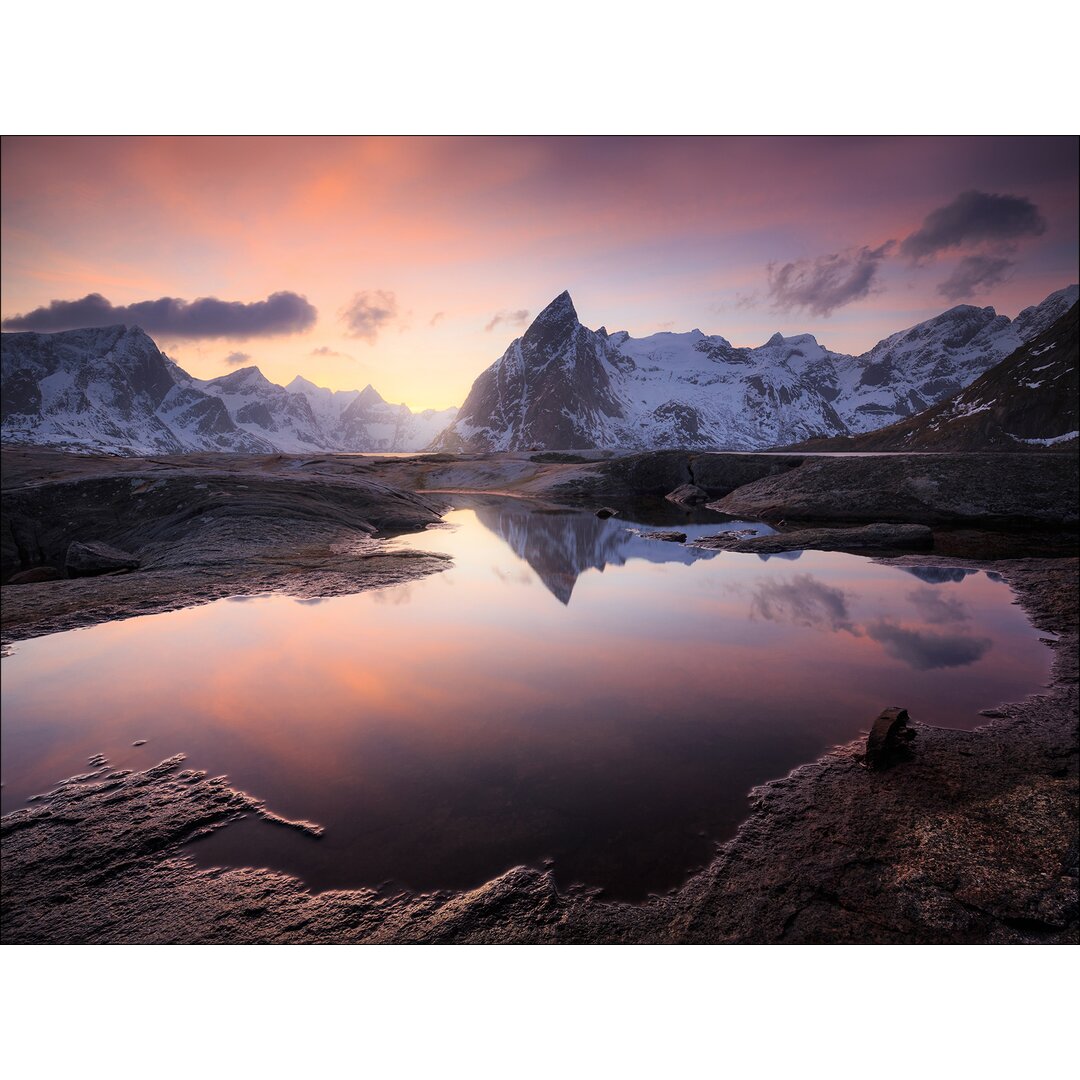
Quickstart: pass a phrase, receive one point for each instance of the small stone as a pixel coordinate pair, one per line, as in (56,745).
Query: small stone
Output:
(889,741)
(606,512)
(139,742)
(665,534)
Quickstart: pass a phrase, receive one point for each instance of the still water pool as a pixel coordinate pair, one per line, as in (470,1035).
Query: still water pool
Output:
(568,690)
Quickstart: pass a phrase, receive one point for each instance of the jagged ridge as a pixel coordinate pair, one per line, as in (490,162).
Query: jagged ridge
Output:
(562,386)
(112,390)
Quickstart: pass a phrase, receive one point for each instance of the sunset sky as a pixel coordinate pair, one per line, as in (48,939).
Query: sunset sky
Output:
(411,263)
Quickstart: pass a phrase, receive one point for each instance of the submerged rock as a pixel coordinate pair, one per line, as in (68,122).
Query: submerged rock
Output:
(671,535)
(86,560)
(606,512)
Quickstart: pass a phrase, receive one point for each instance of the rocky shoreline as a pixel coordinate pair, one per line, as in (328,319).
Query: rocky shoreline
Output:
(198,528)
(973,840)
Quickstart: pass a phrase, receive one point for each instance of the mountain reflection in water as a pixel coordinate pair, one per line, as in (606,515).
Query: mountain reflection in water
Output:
(567,689)
(560,545)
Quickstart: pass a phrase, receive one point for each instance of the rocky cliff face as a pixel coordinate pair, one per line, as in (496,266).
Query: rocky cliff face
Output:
(562,386)
(112,390)
(1028,400)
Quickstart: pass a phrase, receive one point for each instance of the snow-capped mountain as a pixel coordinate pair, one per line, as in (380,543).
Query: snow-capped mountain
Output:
(1028,400)
(562,386)
(112,390)
(364,418)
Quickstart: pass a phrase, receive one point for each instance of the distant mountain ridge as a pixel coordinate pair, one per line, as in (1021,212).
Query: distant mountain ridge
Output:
(112,390)
(562,386)
(1030,400)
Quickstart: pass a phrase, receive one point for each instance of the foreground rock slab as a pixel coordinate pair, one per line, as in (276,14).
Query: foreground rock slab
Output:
(191,529)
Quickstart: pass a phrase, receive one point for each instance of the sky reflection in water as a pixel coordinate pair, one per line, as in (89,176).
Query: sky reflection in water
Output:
(569,690)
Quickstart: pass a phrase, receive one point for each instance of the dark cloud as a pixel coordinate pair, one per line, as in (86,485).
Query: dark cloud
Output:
(235,359)
(508,318)
(976,273)
(370,312)
(804,601)
(974,217)
(828,282)
(936,607)
(207,317)
(924,650)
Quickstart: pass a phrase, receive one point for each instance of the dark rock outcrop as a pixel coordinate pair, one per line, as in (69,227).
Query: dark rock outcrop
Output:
(94,557)
(198,527)
(880,536)
(976,489)
(688,495)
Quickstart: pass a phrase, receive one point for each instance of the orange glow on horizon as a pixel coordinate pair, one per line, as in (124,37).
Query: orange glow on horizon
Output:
(644,233)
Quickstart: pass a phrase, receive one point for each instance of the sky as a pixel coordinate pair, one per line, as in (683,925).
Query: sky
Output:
(411,263)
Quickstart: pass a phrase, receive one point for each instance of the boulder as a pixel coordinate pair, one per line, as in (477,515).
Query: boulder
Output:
(688,495)
(606,512)
(889,740)
(86,560)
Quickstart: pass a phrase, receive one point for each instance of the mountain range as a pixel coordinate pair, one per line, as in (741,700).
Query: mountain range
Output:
(1029,399)
(562,386)
(112,390)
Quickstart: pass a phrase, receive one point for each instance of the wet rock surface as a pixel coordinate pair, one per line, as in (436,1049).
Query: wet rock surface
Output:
(880,536)
(973,840)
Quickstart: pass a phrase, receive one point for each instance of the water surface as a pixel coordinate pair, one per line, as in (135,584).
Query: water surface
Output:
(568,690)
